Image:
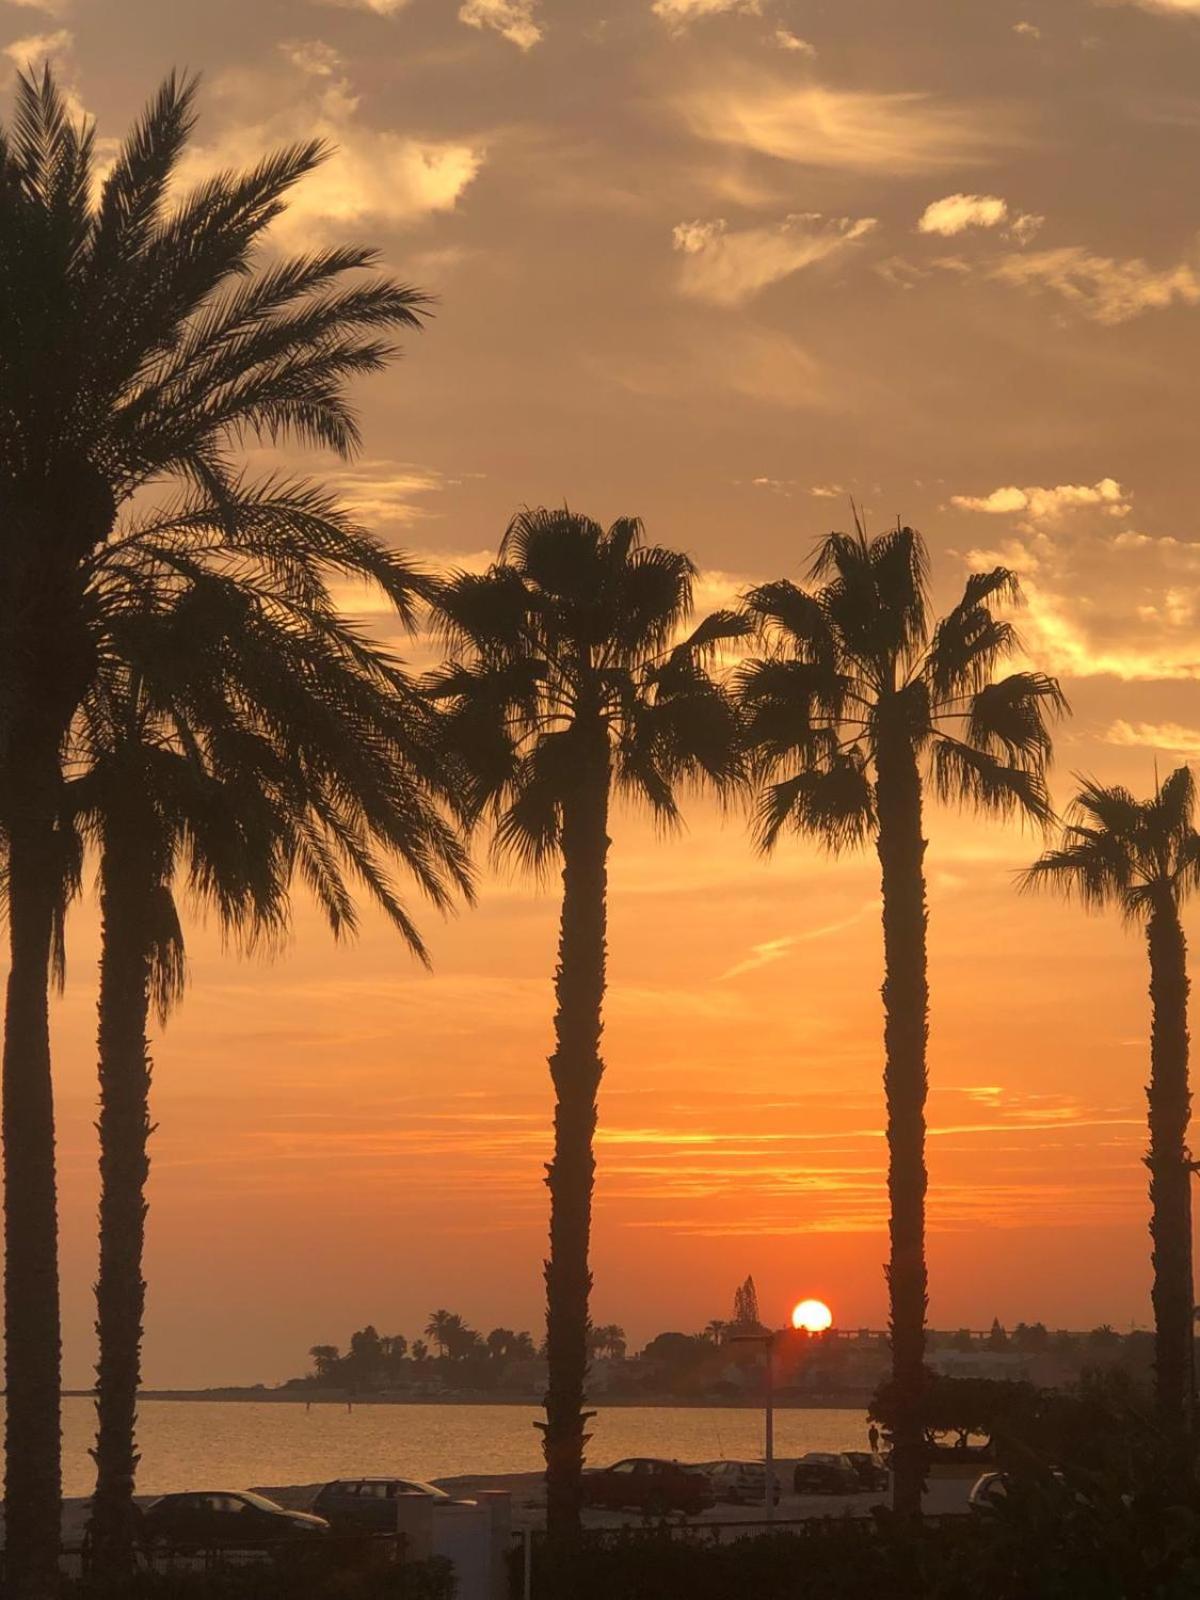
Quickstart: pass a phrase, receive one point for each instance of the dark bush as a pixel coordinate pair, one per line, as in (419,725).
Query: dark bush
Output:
(416,1580)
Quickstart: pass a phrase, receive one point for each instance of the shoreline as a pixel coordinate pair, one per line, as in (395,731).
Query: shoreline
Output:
(825,1402)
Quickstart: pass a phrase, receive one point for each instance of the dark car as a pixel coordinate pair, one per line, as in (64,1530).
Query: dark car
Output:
(824,1472)
(868,1469)
(368,1505)
(643,1483)
(225,1519)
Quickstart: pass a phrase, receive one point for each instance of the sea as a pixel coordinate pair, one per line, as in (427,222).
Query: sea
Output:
(223,1444)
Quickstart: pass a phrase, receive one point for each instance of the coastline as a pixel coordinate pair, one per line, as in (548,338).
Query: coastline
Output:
(821,1402)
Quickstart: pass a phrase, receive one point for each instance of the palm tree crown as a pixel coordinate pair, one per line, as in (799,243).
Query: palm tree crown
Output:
(567,651)
(1136,855)
(858,660)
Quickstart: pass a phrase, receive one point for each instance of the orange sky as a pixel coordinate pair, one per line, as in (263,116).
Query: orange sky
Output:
(719,264)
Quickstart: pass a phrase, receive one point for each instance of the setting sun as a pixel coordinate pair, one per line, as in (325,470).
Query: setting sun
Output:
(814,1316)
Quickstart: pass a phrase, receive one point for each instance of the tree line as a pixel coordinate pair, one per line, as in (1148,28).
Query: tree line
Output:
(183,701)
(372,1359)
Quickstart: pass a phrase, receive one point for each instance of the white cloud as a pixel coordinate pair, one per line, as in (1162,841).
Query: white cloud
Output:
(33,50)
(728,267)
(679,13)
(841,130)
(787,40)
(51,8)
(1100,602)
(1171,737)
(1043,505)
(514,20)
(375,177)
(958,212)
(1106,290)
(1028,30)
(827,491)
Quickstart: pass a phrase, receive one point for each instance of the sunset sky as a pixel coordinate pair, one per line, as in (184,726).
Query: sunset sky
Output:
(721,264)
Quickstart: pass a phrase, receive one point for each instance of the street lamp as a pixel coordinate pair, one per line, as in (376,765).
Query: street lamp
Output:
(767,1340)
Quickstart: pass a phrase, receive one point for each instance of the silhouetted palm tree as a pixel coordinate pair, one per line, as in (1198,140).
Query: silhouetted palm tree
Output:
(139,338)
(223,747)
(858,696)
(1142,857)
(567,686)
(443,1327)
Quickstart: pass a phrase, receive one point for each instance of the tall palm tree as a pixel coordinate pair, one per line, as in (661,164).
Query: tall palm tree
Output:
(1142,857)
(222,748)
(139,339)
(858,697)
(565,688)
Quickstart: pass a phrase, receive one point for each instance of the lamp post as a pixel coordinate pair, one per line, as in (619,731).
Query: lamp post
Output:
(767,1340)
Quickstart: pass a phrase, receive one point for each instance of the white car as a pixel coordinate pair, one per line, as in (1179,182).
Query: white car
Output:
(739,1483)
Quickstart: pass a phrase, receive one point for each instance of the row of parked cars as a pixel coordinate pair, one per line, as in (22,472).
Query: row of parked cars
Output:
(644,1483)
(240,1518)
(229,1518)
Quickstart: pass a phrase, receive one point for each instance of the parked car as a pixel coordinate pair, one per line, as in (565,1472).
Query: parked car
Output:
(739,1483)
(824,1472)
(219,1519)
(367,1505)
(642,1483)
(868,1468)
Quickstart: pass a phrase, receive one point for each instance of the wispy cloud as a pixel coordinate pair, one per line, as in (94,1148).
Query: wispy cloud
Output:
(1102,288)
(727,266)
(677,14)
(36,48)
(1171,737)
(771,950)
(787,40)
(375,176)
(842,129)
(514,20)
(1170,8)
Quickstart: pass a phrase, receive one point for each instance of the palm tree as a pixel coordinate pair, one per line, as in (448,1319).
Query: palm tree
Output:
(442,1328)
(856,698)
(1142,857)
(225,748)
(566,687)
(420,1351)
(139,339)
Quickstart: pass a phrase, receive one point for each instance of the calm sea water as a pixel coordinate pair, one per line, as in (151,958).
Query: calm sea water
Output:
(236,1444)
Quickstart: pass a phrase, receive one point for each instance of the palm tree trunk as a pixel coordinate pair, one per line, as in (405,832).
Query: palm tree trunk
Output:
(906,1029)
(1169,1162)
(127,890)
(33,1353)
(576,1069)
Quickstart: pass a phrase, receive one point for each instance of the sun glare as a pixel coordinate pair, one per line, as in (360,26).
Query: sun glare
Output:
(814,1316)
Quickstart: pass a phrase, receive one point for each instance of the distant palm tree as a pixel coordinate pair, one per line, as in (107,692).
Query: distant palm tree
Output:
(857,694)
(239,749)
(569,684)
(139,339)
(715,1330)
(1142,857)
(442,1328)
(419,1351)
